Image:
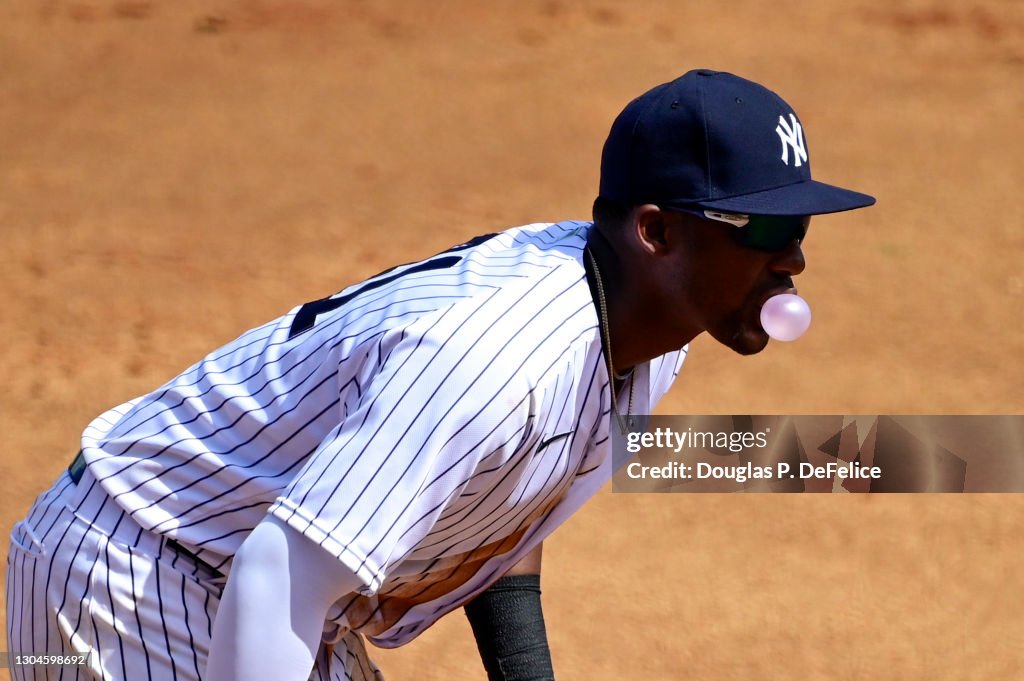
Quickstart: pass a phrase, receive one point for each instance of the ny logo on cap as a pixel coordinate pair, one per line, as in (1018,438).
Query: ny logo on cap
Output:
(792,136)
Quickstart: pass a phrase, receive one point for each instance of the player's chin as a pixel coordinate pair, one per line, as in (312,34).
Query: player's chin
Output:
(744,339)
(752,344)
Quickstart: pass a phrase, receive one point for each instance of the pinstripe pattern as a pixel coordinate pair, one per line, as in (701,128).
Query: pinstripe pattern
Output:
(427,427)
(83,577)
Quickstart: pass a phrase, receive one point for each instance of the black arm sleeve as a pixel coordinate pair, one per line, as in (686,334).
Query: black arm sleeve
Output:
(508,625)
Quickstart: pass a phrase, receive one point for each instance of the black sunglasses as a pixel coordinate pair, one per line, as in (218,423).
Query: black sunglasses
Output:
(770,233)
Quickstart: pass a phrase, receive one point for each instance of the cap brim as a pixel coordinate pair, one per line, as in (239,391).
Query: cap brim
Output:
(803,198)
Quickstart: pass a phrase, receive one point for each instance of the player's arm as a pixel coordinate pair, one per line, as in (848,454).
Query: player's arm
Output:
(529,564)
(508,624)
(270,620)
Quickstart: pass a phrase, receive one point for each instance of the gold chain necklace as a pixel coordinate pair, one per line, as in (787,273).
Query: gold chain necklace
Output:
(625,424)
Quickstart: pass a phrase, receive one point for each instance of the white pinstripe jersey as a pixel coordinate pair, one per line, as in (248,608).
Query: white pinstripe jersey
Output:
(428,427)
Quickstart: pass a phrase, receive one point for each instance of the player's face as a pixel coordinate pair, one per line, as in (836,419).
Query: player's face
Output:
(726,281)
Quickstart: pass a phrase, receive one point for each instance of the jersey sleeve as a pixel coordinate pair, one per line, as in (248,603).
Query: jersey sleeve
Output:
(439,400)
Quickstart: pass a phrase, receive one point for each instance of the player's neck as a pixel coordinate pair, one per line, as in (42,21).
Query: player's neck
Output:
(634,323)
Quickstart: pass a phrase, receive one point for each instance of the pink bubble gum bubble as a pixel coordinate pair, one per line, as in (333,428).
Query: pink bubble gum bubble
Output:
(785,317)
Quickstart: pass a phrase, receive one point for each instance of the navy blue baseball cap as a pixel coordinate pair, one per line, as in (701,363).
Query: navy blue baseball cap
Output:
(716,141)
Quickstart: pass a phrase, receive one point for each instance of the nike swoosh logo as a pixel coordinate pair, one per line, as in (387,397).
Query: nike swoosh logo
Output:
(554,438)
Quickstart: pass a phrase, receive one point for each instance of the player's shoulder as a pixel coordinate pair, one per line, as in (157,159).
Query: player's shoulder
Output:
(533,247)
(521,293)
(536,263)
(545,299)
(541,262)
(565,236)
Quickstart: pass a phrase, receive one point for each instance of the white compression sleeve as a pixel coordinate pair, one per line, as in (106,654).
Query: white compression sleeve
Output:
(270,619)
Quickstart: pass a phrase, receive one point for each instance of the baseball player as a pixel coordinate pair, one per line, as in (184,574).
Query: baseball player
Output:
(373,460)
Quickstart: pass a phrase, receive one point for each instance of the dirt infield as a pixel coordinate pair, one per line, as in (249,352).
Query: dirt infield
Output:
(172,174)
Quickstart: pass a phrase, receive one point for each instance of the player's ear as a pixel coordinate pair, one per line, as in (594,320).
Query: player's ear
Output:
(651,228)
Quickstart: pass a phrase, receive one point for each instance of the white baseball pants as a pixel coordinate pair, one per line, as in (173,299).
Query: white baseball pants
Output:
(83,578)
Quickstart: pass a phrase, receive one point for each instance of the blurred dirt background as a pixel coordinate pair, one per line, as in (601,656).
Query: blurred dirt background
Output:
(172,174)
